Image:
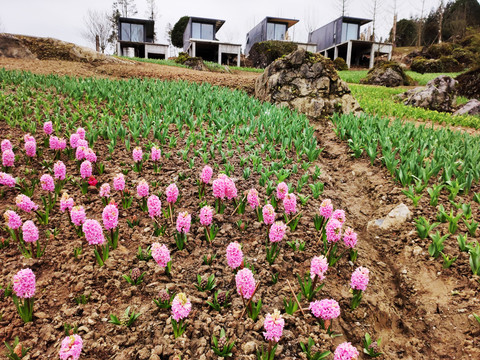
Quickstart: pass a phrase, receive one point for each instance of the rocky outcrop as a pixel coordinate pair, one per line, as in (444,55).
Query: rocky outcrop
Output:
(439,94)
(389,74)
(470,108)
(28,47)
(469,83)
(306,82)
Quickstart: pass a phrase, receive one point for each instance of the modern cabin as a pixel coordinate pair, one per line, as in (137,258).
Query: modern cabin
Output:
(200,39)
(273,28)
(341,38)
(136,39)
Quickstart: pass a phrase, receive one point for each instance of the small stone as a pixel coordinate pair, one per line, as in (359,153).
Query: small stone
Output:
(249,347)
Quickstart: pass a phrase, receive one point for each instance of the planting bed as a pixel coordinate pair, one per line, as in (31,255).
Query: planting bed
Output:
(417,308)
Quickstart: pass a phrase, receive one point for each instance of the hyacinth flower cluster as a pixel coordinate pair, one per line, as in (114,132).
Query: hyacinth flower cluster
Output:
(94,235)
(184,221)
(223,188)
(246,288)
(8,156)
(85,173)
(161,255)
(254,202)
(30,147)
(206,219)
(78,217)
(143,190)
(119,185)
(7,180)
(110,222)
(60,174)
(23,296)
(325,311)
(358,283)
(205,178)
(104,193)
(273,325)
(57,144)
(345,351)
(14,224)
(71,347)
(318,268)
(234,255)
(137,155)
(275,235)
(30,235)
(181,307)
(155,155)
(172,196)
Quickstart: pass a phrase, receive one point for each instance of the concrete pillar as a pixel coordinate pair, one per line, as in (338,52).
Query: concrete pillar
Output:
(219,54)
(372,56)
(194,49)
(348,60)
(335,52)
(390,54)
(238,57)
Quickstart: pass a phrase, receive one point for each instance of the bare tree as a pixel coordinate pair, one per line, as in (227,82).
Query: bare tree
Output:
(420,30)
(375,4)
(394,27)
(97,29)
(310,19)
(441,11)
(126,7)
(152,14)
(343,7)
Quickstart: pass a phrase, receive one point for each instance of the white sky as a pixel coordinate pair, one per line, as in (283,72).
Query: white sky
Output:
(64,19)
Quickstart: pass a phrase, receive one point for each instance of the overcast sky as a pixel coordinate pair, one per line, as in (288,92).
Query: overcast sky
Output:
(64,19)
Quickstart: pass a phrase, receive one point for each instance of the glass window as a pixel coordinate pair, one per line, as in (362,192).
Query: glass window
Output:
(137,33)
(349,32)
(276,31)
(196,31)
(125,32)
(207,31)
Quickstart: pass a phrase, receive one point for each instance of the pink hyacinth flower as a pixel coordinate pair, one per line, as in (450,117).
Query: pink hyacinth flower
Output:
(47,183)
(31,148)
(137,154)
(142,189)
(245,283)
(28,137)
(90,155)
(80,153)
(290,204)
(350,238)
(59,170)
(66,202)
(25,203)
(218,187)
(161,254)
(30,232)
(81,132)
(156,153)
(206,215)
(318,267)
(78,216)
(206,175)
(86,169)
(181,307)
(273,325)
(119,182)
(110,217)
(234,255)
(93,232)
(268,214)
(184,221)
(83,142)
(74,140)
(48,127)
(360,278)
(326,208)
(6,145)
(172,193)
(230,188)
(53,142)
(333,230)
(7,180)
(252,199)
(277,231)
(13,220)
(326,309)
(282,190)
(345,351)
(71,347)
(154,206)
(339,215)
(24,284)
(62,144)
(8,158)
(105,190)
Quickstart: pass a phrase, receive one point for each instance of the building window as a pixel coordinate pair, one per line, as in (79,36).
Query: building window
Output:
(349,32)
(132,32)
(202,31)
(276,31)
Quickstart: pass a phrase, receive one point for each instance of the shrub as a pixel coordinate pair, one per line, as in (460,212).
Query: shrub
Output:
(469,83)
(450,64)
(182,57)
(463,56)
(340,64)
(176,34)
(444,64)
(436,51)
(264,53)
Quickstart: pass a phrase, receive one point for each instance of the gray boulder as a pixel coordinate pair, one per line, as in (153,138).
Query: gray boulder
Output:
(389,74)
(439,94)
(470,108)
(307,82)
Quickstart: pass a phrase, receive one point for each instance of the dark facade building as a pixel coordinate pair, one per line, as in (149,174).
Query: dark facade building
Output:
(200,39)
(341,38)
(135,39)
(273,28)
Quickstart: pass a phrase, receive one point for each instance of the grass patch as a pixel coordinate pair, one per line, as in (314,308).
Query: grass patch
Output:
(354,76)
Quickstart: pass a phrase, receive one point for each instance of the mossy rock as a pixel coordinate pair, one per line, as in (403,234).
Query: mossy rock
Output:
(264,53)
(340,64)
(436,51)
(444,64)
(469,83)
(389,74)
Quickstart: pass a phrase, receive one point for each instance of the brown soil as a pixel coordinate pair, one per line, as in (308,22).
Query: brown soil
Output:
(417,308)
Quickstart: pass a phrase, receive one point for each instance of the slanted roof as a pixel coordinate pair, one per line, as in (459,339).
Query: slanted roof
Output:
(218,23)
(354,20)
(289,22)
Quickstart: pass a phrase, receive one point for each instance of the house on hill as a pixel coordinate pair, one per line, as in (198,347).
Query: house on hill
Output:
(200,39)
(135,39)
(273,28)
(341,38)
